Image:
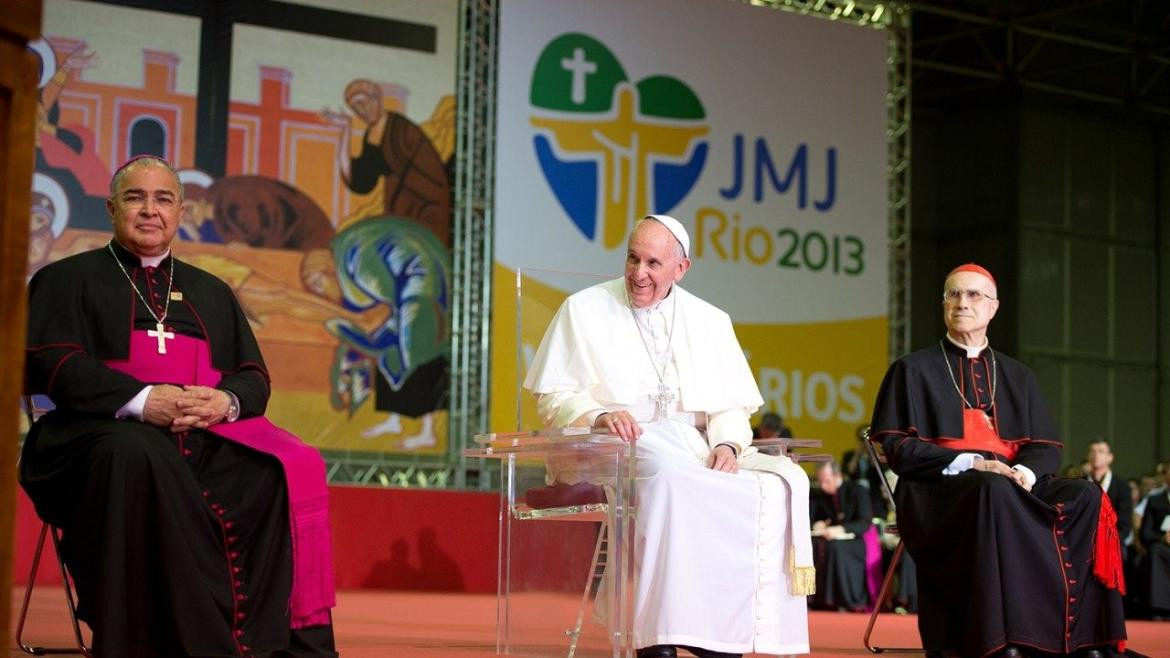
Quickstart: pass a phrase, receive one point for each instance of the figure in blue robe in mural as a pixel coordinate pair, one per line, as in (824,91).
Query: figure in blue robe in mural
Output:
(397,267)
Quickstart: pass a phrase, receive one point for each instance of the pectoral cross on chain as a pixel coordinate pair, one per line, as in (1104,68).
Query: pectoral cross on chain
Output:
(162,335)
(664,401)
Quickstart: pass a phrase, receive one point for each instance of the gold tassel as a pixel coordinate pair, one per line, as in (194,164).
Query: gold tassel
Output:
(804,579)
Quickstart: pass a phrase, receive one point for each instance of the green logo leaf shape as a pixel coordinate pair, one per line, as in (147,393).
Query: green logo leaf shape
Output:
(552,82)
(667,97)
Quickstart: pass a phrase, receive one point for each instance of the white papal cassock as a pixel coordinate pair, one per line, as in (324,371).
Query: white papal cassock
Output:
(715,552)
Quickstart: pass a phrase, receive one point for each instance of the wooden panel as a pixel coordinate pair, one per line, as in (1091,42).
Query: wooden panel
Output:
(1163,390)
(1089,297)
(1050,376)
(1091,161)
(1135,305)
(1134,429)
(1042,291)
(1090,408)
(19,22)
(1135,185)
(1044,157)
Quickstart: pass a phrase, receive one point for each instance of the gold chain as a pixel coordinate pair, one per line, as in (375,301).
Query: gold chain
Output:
(170,284)
(955,382)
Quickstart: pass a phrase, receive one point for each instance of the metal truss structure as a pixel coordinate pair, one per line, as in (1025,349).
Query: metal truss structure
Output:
(471,278)
(1104,52)
(475,180)
(898,98)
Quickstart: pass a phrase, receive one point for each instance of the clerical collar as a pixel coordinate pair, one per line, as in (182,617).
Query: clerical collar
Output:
(132,259)
(153,261)
(1104,481)
(972,352)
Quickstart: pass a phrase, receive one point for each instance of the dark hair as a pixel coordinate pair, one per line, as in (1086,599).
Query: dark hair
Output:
(1101,439)
(771,420)
(144,161)
(832,464)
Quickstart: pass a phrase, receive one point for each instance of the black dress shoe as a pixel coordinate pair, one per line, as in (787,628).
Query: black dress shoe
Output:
(1011,652)
(1094,653)
(707,653)
(658,651)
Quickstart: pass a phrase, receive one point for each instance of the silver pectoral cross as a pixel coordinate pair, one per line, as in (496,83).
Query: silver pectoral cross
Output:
(162,335)
(664,401)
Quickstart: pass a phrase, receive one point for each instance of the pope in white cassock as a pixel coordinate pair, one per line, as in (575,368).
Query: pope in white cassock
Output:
(723,553)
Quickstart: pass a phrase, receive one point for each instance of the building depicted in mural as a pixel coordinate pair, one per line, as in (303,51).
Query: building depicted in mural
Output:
(89,129)
(125,121)
(300,147)
(85,130)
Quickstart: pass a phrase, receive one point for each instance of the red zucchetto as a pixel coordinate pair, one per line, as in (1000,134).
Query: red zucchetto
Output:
(972,267)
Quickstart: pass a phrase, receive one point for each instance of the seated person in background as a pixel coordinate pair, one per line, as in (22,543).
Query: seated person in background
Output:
(722,546)
(840,514)
(1150,484)
(857,467)
(176,499)
(1135,490)
(1007,554)
(772,427)
(1154,534)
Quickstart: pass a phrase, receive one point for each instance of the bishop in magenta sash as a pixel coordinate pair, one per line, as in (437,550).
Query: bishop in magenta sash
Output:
(191,524)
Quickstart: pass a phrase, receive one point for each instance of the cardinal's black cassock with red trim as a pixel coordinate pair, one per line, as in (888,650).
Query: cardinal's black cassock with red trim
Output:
(997,564)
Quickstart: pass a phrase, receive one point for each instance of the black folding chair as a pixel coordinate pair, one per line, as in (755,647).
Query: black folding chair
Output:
(885,592)
(80,648)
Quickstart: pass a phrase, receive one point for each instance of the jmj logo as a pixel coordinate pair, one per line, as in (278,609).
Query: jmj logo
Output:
(612,150)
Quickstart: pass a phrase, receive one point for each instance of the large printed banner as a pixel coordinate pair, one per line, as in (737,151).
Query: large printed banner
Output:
(762,131)
(331,221)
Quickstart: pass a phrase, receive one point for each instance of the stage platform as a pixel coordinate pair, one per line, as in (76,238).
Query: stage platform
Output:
(388,624)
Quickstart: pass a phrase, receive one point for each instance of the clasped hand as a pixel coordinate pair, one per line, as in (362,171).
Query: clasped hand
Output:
(623,424)
(1000,468)
(823,529)
(181,409)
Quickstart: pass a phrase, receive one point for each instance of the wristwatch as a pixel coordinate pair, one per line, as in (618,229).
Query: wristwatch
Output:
(233,412)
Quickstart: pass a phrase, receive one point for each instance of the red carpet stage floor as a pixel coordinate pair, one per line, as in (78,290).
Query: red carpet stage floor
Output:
(377,624)
(417,574)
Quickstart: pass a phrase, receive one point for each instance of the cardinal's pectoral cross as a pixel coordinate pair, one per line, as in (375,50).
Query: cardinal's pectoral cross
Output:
(664,401)
(162,335)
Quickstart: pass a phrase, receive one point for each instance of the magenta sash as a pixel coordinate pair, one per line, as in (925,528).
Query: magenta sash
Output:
(188,362)
(873,564)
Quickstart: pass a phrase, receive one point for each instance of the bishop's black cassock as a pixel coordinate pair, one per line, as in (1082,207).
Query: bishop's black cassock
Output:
(180,544)
(997,565)
(840,563)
